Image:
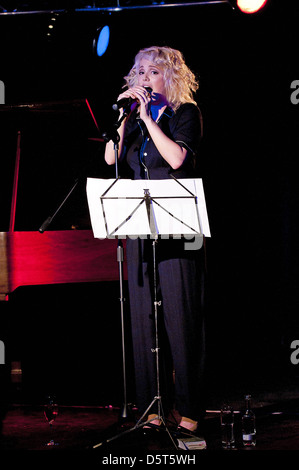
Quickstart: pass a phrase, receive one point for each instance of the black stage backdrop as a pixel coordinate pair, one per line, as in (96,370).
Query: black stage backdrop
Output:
(246,65)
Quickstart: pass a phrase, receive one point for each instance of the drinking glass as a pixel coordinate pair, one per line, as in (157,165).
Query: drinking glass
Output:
(227,427)
(51,412)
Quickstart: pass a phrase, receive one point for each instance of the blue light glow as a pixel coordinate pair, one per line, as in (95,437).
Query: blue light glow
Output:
(103,40)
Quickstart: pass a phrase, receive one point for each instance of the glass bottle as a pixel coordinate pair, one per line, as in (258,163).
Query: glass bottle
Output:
(248,424)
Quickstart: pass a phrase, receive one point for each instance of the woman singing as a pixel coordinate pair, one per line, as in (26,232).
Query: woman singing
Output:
(160,138)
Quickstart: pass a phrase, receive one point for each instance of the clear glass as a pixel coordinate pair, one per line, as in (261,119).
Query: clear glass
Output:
(51,412)
(227,427)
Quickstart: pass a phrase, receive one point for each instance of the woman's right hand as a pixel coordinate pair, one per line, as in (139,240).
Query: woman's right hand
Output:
(129,93)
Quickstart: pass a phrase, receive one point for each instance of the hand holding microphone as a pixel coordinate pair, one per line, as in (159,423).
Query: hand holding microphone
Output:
(137,94)
(133,95)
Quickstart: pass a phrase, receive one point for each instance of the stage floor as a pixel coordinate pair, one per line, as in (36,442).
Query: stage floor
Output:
(88,384)
(80,428)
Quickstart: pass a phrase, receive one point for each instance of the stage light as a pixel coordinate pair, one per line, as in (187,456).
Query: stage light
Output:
(251,6)
(101,41)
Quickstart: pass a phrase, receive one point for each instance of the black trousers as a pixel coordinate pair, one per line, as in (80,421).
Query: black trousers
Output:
(181,329)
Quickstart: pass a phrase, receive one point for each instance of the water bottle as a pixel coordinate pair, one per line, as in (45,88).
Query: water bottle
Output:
(248,424)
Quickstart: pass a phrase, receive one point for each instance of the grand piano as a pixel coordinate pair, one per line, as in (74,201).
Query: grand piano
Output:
(47,151)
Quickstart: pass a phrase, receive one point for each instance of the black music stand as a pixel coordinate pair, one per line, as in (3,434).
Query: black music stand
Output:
(115,205)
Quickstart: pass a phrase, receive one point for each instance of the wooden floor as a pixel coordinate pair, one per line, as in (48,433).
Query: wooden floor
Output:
(78,430)
(82,428)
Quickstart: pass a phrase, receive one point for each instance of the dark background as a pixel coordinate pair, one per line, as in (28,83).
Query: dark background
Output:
(69,336)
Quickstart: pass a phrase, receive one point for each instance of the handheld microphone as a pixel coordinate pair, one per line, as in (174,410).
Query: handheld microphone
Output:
(125,102)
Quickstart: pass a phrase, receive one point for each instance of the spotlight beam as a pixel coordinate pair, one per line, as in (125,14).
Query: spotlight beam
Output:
(248,6)
(251,6)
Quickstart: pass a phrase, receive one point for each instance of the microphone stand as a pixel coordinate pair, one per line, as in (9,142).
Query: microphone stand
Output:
(126,411)
(113,135)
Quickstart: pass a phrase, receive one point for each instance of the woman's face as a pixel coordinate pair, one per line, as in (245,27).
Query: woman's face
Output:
(152,76)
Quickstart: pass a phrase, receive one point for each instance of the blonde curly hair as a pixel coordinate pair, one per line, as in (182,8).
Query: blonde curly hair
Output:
(180,81)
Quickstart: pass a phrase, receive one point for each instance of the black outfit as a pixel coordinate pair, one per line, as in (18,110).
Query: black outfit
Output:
(180,278)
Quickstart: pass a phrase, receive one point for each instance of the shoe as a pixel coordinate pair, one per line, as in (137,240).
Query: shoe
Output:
(151,428)
(191,425)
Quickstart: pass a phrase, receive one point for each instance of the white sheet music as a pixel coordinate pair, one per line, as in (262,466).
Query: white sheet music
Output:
(118,207)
